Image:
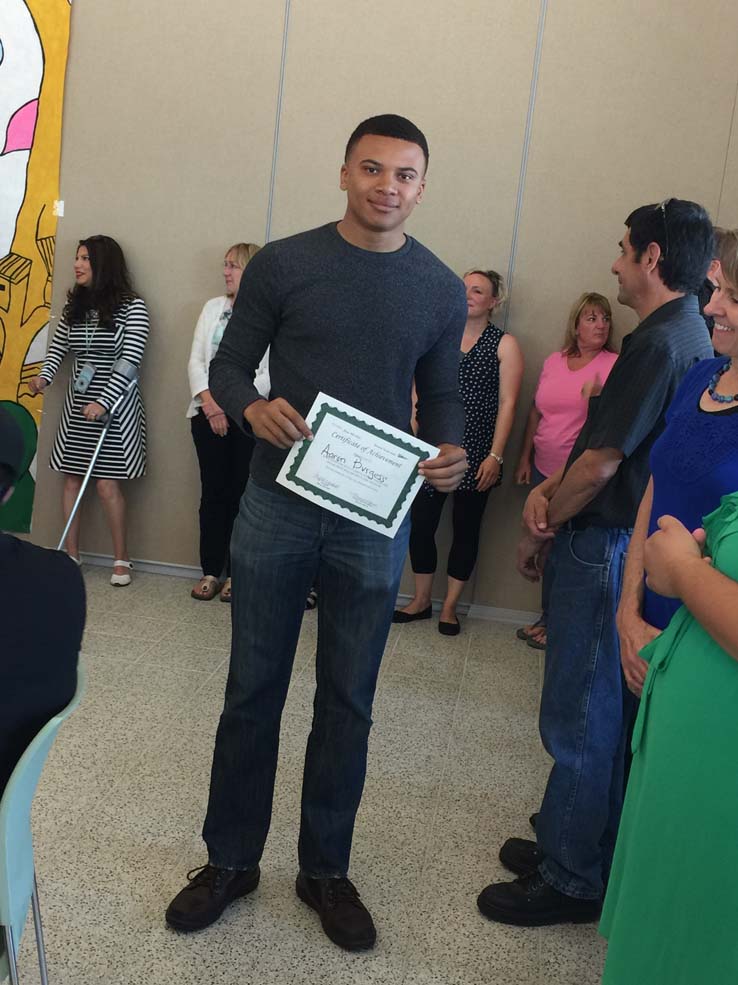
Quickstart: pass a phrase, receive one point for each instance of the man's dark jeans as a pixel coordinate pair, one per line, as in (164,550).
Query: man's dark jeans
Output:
(585,707)
(280,545)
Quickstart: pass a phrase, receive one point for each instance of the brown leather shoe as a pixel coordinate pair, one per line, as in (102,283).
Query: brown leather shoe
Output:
(344,917)
(207,894)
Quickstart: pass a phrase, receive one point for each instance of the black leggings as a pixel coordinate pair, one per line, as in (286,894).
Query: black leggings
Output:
(224,470)
(468,509)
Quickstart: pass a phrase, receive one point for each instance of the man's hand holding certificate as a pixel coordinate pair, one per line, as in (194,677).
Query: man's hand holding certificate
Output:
(446,470)
(277,422)
(355,465)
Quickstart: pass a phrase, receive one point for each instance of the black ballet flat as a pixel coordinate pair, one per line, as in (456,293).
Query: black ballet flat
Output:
(400,616)
(449,628)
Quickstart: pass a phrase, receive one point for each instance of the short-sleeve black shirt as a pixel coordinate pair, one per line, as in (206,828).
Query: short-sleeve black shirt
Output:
(629,413)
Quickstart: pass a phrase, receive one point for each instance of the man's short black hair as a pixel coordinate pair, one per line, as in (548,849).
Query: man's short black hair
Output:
(684,233)
(389,125)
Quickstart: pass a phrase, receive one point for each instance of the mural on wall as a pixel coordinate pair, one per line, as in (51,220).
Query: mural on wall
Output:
(34,37)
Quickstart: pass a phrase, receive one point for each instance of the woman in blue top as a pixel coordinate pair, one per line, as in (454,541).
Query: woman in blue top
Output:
(693,463)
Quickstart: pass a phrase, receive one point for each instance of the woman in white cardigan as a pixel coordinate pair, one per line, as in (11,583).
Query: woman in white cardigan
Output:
(223,448)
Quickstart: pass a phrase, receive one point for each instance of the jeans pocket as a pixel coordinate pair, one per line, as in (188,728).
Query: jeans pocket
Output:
(587,547)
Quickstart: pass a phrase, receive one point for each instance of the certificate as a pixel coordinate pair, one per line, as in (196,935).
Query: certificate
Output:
(356,466)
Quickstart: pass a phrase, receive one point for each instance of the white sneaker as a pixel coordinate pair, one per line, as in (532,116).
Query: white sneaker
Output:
(120,580)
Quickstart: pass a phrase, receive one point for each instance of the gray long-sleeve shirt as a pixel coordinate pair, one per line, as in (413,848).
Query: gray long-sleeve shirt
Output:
(354,324)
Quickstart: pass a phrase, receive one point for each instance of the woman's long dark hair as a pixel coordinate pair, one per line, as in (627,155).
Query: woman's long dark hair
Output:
(111,283)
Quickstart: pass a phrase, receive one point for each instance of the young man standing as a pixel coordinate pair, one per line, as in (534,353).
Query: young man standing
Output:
(589,509)
(355,309)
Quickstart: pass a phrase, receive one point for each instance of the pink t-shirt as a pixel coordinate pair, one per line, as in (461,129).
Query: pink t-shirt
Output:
(562,407)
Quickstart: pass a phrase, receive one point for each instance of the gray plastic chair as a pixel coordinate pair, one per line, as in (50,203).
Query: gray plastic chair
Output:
(17,873)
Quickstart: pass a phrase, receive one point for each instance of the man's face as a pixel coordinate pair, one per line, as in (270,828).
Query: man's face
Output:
(384,180)
(631,273)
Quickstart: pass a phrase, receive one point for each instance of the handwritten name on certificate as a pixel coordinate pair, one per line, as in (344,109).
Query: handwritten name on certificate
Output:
(356,466)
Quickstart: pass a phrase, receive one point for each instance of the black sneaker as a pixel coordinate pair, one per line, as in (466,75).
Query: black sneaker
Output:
(533,820)
(531,902)
(520,855)
(344,917)
(208,893)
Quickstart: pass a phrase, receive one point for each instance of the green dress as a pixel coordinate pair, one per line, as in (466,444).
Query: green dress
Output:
(671,910)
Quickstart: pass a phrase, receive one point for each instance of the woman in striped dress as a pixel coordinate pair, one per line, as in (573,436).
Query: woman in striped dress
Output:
(103,321)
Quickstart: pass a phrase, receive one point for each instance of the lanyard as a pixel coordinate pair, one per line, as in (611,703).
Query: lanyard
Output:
(89,336)
(220,330)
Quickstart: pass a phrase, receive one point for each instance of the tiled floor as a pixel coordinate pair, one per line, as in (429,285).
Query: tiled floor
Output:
(455,767)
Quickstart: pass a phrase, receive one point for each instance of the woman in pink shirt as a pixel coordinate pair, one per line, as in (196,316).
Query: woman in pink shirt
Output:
(568,379)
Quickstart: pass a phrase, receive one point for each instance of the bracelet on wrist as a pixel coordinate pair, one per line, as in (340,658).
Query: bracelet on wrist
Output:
(497,458)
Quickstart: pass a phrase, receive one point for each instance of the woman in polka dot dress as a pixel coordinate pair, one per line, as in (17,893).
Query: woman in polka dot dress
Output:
(490,374)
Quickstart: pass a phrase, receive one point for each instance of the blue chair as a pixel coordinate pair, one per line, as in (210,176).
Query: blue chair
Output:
(17,872)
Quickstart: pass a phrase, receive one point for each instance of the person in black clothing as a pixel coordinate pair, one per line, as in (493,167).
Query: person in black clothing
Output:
(490,373)
(42,615)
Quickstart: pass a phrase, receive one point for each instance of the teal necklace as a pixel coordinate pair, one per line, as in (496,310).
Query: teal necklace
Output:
(720,398)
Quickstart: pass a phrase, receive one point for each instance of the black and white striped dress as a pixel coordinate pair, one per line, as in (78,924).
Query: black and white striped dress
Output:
(123,454)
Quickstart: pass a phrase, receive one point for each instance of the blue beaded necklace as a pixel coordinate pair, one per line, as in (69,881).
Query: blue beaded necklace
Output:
(720,398)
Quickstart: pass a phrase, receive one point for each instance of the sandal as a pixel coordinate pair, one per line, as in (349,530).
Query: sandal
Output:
(118,581)
(311,601)
(226,592)
(538,641)
(526,632)
(206,588)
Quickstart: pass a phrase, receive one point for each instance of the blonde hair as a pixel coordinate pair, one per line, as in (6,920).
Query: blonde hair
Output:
(496,280)
(243,252)
(726,251)
(593,300)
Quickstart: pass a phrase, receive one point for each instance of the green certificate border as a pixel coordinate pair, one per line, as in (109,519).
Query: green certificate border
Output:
(406,445)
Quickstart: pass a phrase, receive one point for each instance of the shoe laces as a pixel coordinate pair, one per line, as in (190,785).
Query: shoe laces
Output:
(209,876)
(531,882)
(339,890)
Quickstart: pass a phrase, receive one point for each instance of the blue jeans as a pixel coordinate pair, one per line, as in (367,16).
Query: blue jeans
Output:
(281,546)
(584,709)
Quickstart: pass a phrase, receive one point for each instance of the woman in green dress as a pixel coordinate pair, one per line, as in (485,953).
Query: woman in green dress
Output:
(671,911)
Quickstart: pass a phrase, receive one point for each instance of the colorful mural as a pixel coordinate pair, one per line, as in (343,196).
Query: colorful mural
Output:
(34,38)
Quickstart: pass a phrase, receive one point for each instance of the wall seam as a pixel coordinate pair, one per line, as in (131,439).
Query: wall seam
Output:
(278,120)
(727,154)
(525,153)
(543,9)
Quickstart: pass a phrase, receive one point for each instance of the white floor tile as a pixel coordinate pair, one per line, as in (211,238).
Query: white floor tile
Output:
(455,767)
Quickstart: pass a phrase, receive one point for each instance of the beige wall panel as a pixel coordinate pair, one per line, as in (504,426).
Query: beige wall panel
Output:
(168,132)
(728,210)
(461,72)
(621,119)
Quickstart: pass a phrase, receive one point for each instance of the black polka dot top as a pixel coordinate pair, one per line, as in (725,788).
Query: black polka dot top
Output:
(479,384)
